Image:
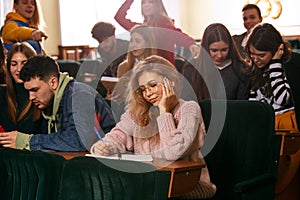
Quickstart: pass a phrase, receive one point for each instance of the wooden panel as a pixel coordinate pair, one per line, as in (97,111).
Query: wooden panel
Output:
(290,142)
(185,175)
(74,52)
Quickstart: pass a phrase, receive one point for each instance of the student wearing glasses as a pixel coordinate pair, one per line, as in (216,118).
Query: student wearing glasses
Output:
(157,122)
(269,54)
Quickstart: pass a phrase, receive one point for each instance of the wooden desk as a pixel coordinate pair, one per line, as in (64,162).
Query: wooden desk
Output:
(184,174)
(70,155)
(109,83)
(288,166)
(290,142)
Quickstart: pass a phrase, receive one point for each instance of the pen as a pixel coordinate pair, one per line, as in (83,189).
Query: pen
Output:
(100,138)
(98,134)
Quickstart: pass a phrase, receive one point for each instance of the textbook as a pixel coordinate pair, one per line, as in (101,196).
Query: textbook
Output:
(132,157)
(109,82)
(109,79)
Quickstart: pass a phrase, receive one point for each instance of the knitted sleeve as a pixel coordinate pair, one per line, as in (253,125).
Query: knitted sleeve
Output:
(121,135)
(189,131)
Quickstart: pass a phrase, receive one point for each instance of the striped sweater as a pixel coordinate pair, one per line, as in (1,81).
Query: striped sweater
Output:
(281,98)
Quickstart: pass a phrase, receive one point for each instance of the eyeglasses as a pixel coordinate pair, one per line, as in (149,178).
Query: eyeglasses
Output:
(257,56)
(151,86)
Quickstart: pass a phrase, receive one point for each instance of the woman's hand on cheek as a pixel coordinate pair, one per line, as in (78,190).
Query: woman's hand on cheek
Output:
(169,99)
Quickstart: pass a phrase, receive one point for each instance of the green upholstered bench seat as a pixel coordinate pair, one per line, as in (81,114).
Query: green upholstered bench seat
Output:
(244,161)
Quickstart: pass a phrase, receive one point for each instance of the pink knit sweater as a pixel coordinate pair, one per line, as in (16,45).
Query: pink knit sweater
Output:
(180,134)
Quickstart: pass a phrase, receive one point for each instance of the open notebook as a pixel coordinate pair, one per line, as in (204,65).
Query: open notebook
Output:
(109,82)
(132,157)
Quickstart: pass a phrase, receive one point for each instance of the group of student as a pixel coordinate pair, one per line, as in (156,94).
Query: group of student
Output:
(45,109)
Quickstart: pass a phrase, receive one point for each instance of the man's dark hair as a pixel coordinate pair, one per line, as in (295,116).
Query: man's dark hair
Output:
(42,67)
(252,6)
(102,30)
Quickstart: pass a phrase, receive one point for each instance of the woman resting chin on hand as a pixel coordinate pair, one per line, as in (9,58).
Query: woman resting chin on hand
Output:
(157,122)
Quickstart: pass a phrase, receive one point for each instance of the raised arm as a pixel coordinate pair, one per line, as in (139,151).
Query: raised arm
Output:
(187,136)
(279,85)
(120,16)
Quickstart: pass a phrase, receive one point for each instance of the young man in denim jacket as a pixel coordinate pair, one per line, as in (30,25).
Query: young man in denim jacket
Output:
(70,107)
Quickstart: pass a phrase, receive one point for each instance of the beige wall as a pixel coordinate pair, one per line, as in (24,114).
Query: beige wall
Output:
(191,10)
(195,16)
(50,10)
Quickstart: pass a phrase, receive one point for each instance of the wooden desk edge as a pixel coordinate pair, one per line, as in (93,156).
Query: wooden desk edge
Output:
(159,163)
(70,154)
(287,133)
(179,165)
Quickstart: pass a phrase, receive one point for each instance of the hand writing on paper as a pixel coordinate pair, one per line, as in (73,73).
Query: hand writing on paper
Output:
(103,148)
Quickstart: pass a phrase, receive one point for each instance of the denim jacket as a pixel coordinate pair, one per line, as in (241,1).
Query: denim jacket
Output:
(75,120)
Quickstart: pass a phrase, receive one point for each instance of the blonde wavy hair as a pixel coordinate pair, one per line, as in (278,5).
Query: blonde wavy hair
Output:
(137,106)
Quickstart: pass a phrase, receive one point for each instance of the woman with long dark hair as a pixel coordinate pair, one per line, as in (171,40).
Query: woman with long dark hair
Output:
(269,53)
(17,111)
(219,65)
